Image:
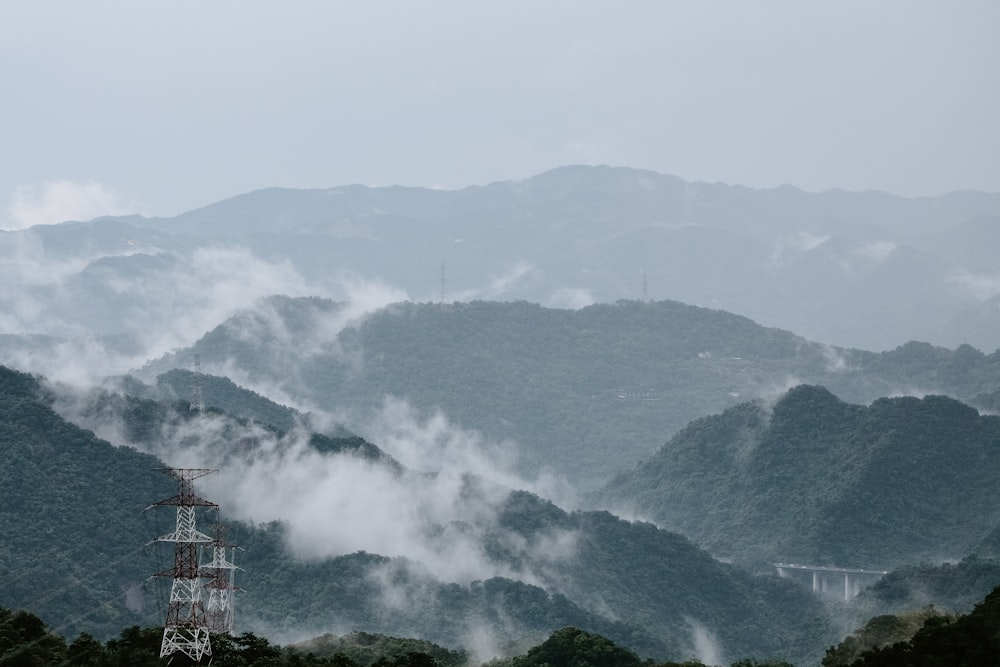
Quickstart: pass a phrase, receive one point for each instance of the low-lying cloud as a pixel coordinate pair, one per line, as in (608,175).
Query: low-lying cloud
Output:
(877,251)
(572,298)
(58,201)
(438,512)
(981,286)
(170,304)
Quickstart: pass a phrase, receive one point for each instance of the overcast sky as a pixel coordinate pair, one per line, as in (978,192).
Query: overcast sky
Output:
(113,107)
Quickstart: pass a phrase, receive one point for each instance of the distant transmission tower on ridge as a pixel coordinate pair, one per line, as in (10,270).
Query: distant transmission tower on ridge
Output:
(196,386)
(186,629)
(444,290)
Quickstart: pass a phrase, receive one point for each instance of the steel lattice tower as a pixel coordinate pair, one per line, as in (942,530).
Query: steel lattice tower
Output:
(186,629)
(221,572)
(197,388)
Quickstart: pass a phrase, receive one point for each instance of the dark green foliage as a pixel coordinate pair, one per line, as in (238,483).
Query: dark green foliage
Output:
(586,392)
(71,516)
(138,647)
(959,586)
(53,515)
(408,660)
(655,584)
(878,633)
(146,418)
(26,642)
(364,649)
(821,481)
(972,640)
(15,384)
(85,651)
(347,591)
(572,647)
(653,579)
(343,441)
(223,394)
(245,649)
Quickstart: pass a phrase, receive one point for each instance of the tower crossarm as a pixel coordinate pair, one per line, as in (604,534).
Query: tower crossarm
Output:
(186,497)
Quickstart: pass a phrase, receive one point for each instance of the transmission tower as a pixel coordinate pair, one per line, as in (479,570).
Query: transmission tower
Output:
(186,629)
(444,284)
(197,382)
(221,572)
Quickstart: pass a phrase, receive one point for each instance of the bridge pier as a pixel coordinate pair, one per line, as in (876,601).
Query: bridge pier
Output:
(823,580)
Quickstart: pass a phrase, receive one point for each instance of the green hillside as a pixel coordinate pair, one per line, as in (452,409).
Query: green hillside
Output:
(817,480)
(71,515)
(75,552)
(586,393)
(970,640)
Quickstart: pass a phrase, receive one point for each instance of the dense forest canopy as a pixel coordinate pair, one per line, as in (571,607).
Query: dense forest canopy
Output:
(926,637)
(585,393)
(818,480)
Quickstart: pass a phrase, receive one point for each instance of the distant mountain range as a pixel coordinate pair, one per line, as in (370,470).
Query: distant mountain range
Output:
(468,370)
(865,270)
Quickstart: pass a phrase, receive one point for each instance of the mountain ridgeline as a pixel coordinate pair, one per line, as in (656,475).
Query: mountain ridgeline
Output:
(586,393)
(814,479)
(392,501)
(82,559)
(643,587)
(869,270)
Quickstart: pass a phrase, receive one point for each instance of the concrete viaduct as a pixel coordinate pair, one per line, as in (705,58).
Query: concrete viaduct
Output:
(828,579)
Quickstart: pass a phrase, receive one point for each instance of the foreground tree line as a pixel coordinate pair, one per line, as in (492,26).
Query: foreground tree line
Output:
(938,640)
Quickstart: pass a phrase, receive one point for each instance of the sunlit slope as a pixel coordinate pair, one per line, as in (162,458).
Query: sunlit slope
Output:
(816,480)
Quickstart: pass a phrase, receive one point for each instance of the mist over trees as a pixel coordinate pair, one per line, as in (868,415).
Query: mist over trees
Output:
(814,479)
(865,270)
(569,420)
(583,392)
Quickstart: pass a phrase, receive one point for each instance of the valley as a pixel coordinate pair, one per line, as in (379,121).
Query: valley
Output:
(482,450)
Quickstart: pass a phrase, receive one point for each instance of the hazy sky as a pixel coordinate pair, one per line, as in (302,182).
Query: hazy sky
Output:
(163,107)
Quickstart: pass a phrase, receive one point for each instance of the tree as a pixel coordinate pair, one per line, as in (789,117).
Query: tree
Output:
(85,651)
(25,641)
(136,647)
(572,647)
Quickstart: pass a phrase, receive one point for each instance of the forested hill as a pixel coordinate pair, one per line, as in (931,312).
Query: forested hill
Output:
(817,480)
(71,517)
(586,392)
(77,551)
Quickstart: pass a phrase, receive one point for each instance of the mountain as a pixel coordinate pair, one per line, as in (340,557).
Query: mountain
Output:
(825,265)
(71,514)
(970,639)
(81,558)
(816,480)
(585,393)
